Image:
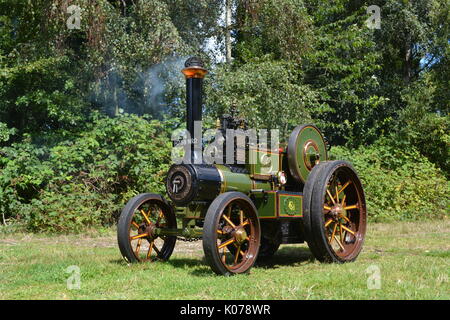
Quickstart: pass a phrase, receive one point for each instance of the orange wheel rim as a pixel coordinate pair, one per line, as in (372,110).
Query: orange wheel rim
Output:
(145,243)
(344,213)
(237,236)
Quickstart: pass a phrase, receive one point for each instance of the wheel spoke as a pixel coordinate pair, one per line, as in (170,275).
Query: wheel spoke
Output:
(135,224)
(331,197)
(224,258)
(343,200)
(355,206)
(340,244)
(145,216)
(246,222)
(138,247)
(238,251)
(348,230)
(156,249)
(328,222)
(334,231)
(325,207)
(229,221)
(159,217)
(344,217)
(344,186)
(241,216)
(150,247)
(224,244)
(242,253)
(142,235)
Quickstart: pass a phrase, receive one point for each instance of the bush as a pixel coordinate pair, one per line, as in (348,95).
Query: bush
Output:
(86,180)
(426,129)
(72,208)
(70,184)
(400,184)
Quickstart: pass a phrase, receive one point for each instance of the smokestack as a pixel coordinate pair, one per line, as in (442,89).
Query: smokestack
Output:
(194,73)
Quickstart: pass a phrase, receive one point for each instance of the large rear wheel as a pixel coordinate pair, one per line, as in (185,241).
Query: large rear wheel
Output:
(337,213)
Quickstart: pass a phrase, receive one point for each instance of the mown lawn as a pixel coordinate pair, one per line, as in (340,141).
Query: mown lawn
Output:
(413,260)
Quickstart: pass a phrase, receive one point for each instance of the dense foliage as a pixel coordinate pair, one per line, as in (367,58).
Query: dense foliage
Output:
(400,184)
(84,180)
(260,91)
(84,112)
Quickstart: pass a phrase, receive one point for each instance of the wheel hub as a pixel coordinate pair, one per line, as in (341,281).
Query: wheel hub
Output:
(240,235)
(227,230)
(150,229)
(337,210)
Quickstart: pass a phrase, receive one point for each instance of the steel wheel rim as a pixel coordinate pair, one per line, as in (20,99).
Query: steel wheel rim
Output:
(344,213)
(145,244)
(237,236)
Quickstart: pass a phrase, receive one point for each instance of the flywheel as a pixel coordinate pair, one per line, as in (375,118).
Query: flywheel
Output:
(306,148)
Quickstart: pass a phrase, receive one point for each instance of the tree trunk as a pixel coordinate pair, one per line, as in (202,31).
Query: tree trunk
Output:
(408,57)
(227,30)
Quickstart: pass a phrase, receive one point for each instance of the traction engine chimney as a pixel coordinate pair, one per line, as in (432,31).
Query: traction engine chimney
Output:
(194,73)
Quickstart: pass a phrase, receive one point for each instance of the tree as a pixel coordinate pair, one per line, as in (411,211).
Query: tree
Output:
(344,67)
(277,27)
(264,92)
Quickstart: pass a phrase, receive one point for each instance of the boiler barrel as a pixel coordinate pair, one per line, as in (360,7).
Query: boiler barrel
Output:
(187,182)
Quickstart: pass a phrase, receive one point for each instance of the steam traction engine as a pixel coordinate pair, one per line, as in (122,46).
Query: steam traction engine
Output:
(243,212)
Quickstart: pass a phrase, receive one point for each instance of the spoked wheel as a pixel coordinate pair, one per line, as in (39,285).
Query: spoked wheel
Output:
(136,230)
(336,212)
(231,234)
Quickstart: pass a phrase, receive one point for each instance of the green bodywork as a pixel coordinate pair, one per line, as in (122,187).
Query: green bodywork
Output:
(233,181)
(266,203)
(263,163)
(256,179)
(289,204)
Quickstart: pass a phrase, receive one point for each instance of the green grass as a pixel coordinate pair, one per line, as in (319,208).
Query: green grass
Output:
(413,259)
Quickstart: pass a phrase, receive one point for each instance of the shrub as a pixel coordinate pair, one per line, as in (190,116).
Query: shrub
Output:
(400,184)
(85,180)
(426,130)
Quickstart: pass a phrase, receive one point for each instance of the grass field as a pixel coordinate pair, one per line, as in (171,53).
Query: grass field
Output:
(413,260)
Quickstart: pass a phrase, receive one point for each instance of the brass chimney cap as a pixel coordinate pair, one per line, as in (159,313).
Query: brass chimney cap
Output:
(194,62)
(194,68)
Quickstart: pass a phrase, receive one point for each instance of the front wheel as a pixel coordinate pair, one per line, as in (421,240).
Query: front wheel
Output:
(335,212)
(138,241)
(231,234)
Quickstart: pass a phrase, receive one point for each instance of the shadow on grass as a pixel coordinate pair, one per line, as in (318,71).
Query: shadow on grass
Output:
(287,256)
(197,266)
(119,261)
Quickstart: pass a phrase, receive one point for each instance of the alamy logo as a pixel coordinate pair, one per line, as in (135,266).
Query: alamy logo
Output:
(374,279)
(74,21)
(223,146)
(74,280)
(374,21)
